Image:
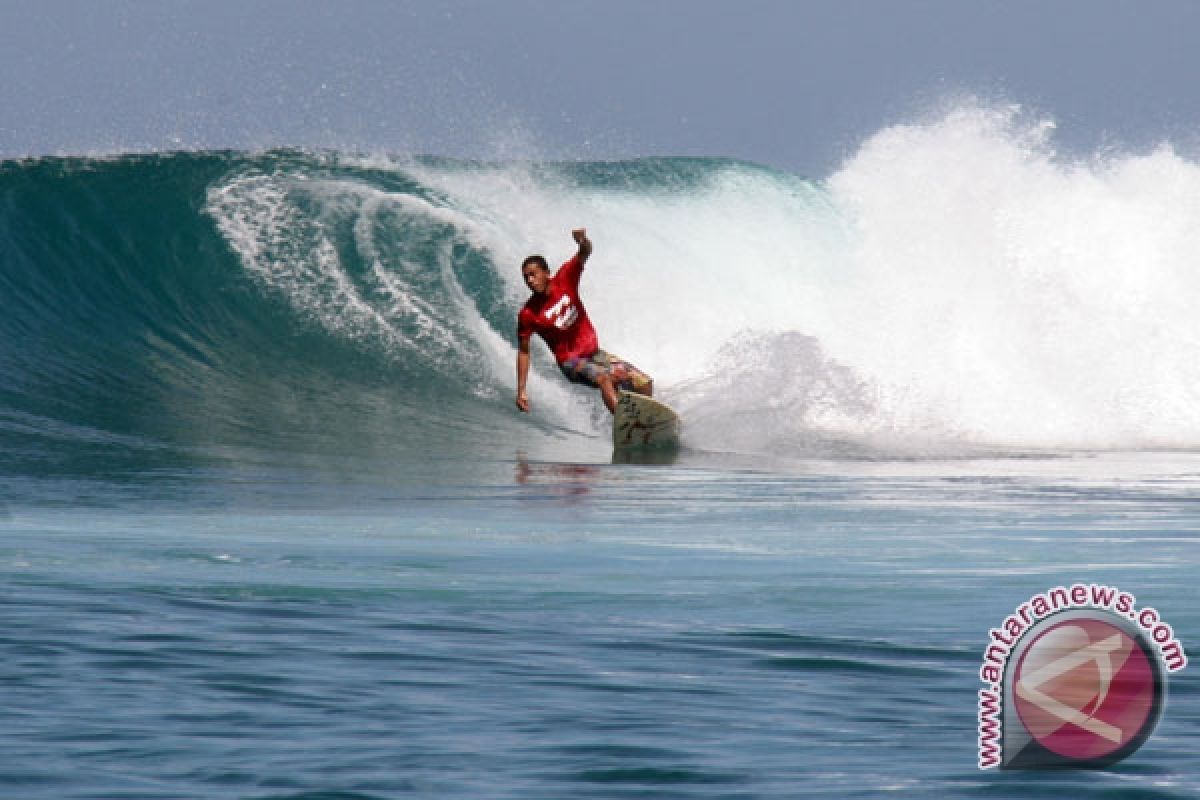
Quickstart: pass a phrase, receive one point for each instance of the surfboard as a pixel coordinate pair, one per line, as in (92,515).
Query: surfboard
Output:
(642,421)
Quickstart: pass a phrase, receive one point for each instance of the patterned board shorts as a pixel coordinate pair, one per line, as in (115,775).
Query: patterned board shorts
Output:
(585,370)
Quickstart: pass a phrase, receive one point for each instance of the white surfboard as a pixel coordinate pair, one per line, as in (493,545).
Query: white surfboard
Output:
(642,421)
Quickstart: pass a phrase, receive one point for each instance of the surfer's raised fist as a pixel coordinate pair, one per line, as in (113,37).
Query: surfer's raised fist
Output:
(585,244)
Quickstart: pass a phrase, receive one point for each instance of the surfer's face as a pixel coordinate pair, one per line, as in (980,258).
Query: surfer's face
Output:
(536,278)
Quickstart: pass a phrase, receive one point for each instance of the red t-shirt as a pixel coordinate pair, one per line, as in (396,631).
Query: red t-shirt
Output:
(559,317)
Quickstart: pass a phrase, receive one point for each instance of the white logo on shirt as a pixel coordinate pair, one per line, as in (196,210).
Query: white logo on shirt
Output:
(562,313)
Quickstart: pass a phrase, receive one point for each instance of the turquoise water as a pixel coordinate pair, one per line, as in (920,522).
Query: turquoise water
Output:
(554,630)
(272,528)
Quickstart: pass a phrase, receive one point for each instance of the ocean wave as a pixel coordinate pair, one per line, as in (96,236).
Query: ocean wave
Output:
(955,283)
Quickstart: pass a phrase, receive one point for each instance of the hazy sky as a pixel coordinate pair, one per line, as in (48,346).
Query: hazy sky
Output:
(792,84)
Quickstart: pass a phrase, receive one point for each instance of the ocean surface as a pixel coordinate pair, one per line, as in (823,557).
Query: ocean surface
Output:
(271,526)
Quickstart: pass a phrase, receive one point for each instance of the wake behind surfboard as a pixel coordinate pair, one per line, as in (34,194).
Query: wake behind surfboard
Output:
(643,422)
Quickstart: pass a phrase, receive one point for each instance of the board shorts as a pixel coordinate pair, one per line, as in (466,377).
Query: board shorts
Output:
(586,369)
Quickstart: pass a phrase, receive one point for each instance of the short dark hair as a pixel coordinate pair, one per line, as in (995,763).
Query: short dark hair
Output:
(539,260)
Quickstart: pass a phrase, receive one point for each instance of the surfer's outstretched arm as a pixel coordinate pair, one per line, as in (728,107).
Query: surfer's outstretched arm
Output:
(585,244)
(522,374)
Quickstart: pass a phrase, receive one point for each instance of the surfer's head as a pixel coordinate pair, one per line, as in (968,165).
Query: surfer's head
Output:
(536,272)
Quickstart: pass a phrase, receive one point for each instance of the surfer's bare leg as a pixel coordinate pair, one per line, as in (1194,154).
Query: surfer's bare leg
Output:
(608,390)
(642,384)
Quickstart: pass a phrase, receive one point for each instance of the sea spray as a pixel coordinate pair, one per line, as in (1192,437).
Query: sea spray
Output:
(1020,297)
(956,284)
(984,289)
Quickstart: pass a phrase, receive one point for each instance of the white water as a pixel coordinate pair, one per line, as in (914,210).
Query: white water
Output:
(975,287)
(956,283)
(1018,298)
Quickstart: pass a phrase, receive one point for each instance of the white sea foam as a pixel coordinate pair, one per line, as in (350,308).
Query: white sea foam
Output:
(975,285)
(1019,297)
(955,281)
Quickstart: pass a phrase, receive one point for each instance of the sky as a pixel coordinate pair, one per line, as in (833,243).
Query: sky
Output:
(796,85)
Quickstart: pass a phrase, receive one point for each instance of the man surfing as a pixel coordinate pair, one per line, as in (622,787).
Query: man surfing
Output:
(555,312)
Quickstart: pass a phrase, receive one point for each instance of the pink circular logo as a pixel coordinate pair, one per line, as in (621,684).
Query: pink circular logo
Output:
(1085,689)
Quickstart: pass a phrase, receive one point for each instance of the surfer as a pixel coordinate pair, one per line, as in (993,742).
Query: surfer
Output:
(555,312)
